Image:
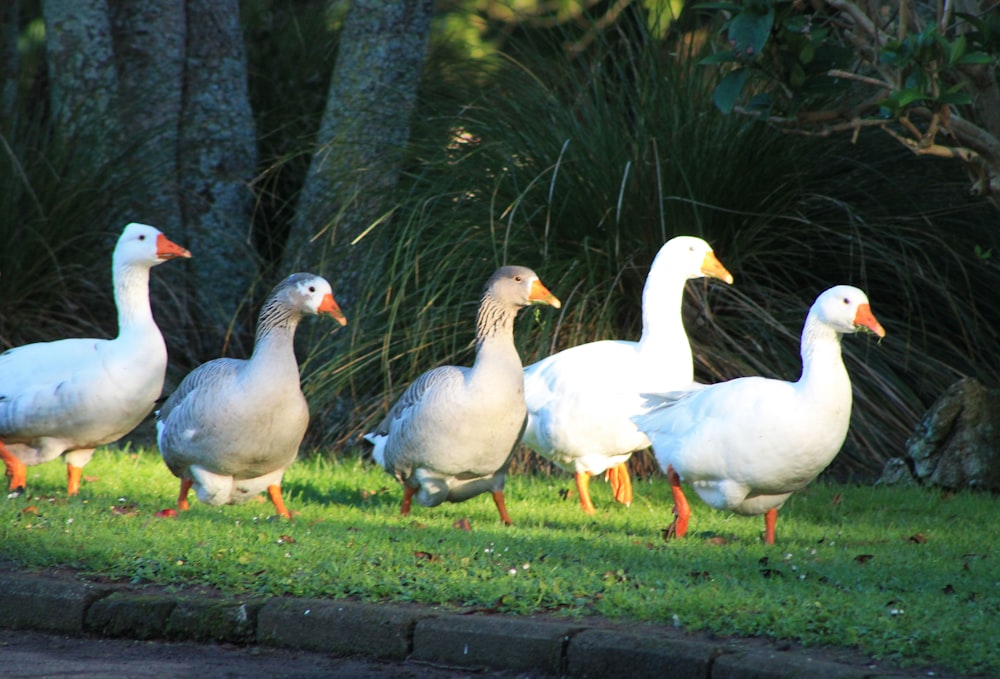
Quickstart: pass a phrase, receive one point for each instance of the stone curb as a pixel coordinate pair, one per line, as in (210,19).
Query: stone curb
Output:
(394,632)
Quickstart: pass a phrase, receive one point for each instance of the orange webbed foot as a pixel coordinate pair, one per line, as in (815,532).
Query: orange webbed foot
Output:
(408,493)
(73,478)
(583,489)
(770,521)
(498,499)
(274,492)
(16,471)
(182,497)
(681,507)
(621,483)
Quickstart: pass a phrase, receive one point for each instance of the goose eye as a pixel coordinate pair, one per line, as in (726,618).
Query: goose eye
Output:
(142,236)
(312,288)
(517,278)
(847,300)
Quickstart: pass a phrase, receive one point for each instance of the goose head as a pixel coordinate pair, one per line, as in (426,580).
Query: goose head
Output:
(141,244)
(311,294)
(690,257)
(519,286)
(846,309)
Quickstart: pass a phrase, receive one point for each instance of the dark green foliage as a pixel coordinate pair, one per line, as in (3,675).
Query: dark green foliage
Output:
(581,167)
(55,259)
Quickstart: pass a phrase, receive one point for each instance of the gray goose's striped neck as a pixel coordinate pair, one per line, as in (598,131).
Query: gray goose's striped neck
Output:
(494,319)
(277,321)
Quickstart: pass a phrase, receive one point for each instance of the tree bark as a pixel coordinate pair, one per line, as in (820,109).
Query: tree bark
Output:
(10,19)
(361,140)
(149,42)
(218,155)
(83,80)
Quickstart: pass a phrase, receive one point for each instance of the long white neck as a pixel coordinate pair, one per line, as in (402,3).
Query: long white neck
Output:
(131,285)
(664,339)
(824,375)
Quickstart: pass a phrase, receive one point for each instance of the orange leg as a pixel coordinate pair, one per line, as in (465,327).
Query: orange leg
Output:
(274,492)
(73,476)
(770,521)
(182,498)
(583,488)
(502,508)
(681,506)
(17,472)
(408,493)
(621,483)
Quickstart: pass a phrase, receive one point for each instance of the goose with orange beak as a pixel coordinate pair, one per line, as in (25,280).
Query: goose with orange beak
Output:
(747,444)
(67,397)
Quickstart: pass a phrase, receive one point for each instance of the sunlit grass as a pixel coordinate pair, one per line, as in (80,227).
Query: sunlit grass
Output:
(905,575)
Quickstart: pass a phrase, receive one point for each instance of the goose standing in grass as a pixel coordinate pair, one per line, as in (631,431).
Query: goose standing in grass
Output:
(67,397)
(747,444)
(234,425)
(581,400)
(452,432)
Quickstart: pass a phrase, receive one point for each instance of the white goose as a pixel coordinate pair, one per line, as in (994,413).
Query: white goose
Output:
(234,425)
(581,400)
(452,432)
(70,396)
(747,444)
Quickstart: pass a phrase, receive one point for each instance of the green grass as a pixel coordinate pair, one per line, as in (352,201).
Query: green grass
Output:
(905,575)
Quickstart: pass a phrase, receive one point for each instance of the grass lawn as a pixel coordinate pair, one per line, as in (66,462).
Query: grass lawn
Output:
(908,576)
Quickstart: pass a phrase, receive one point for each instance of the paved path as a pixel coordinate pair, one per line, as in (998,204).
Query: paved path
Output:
(57,625)
(34,655)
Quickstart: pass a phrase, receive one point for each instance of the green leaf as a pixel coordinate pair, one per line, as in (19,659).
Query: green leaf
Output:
(975,58)
(807,53)
(906,97)
(749,31)
(955,98)
(797,76)
(724,6)
(718,58)
(729,88)
(760,103)
(957,50)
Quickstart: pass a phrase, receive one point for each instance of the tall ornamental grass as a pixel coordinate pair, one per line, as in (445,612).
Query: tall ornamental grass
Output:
(581,167)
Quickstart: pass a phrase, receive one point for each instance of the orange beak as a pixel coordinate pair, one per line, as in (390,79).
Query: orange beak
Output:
(167,249)
(541,295)
(713,267)
(329,306)
(863,318)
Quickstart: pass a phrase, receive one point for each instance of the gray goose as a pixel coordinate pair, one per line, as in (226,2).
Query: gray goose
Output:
(451,434)
(233,426)
(67,397)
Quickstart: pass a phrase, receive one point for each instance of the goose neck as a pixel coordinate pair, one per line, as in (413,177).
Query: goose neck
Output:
(131,286)
(662,300)
(822,359)
(276,327)
(494,320)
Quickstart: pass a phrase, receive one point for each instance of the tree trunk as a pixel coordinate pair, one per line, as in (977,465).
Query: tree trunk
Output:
(149,40)
(83,81)
(218,155)
(10,30)
(361,140)
(156,94)
(149,53)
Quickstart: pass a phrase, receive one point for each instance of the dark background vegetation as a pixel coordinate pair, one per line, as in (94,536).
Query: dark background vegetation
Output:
(572,149)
